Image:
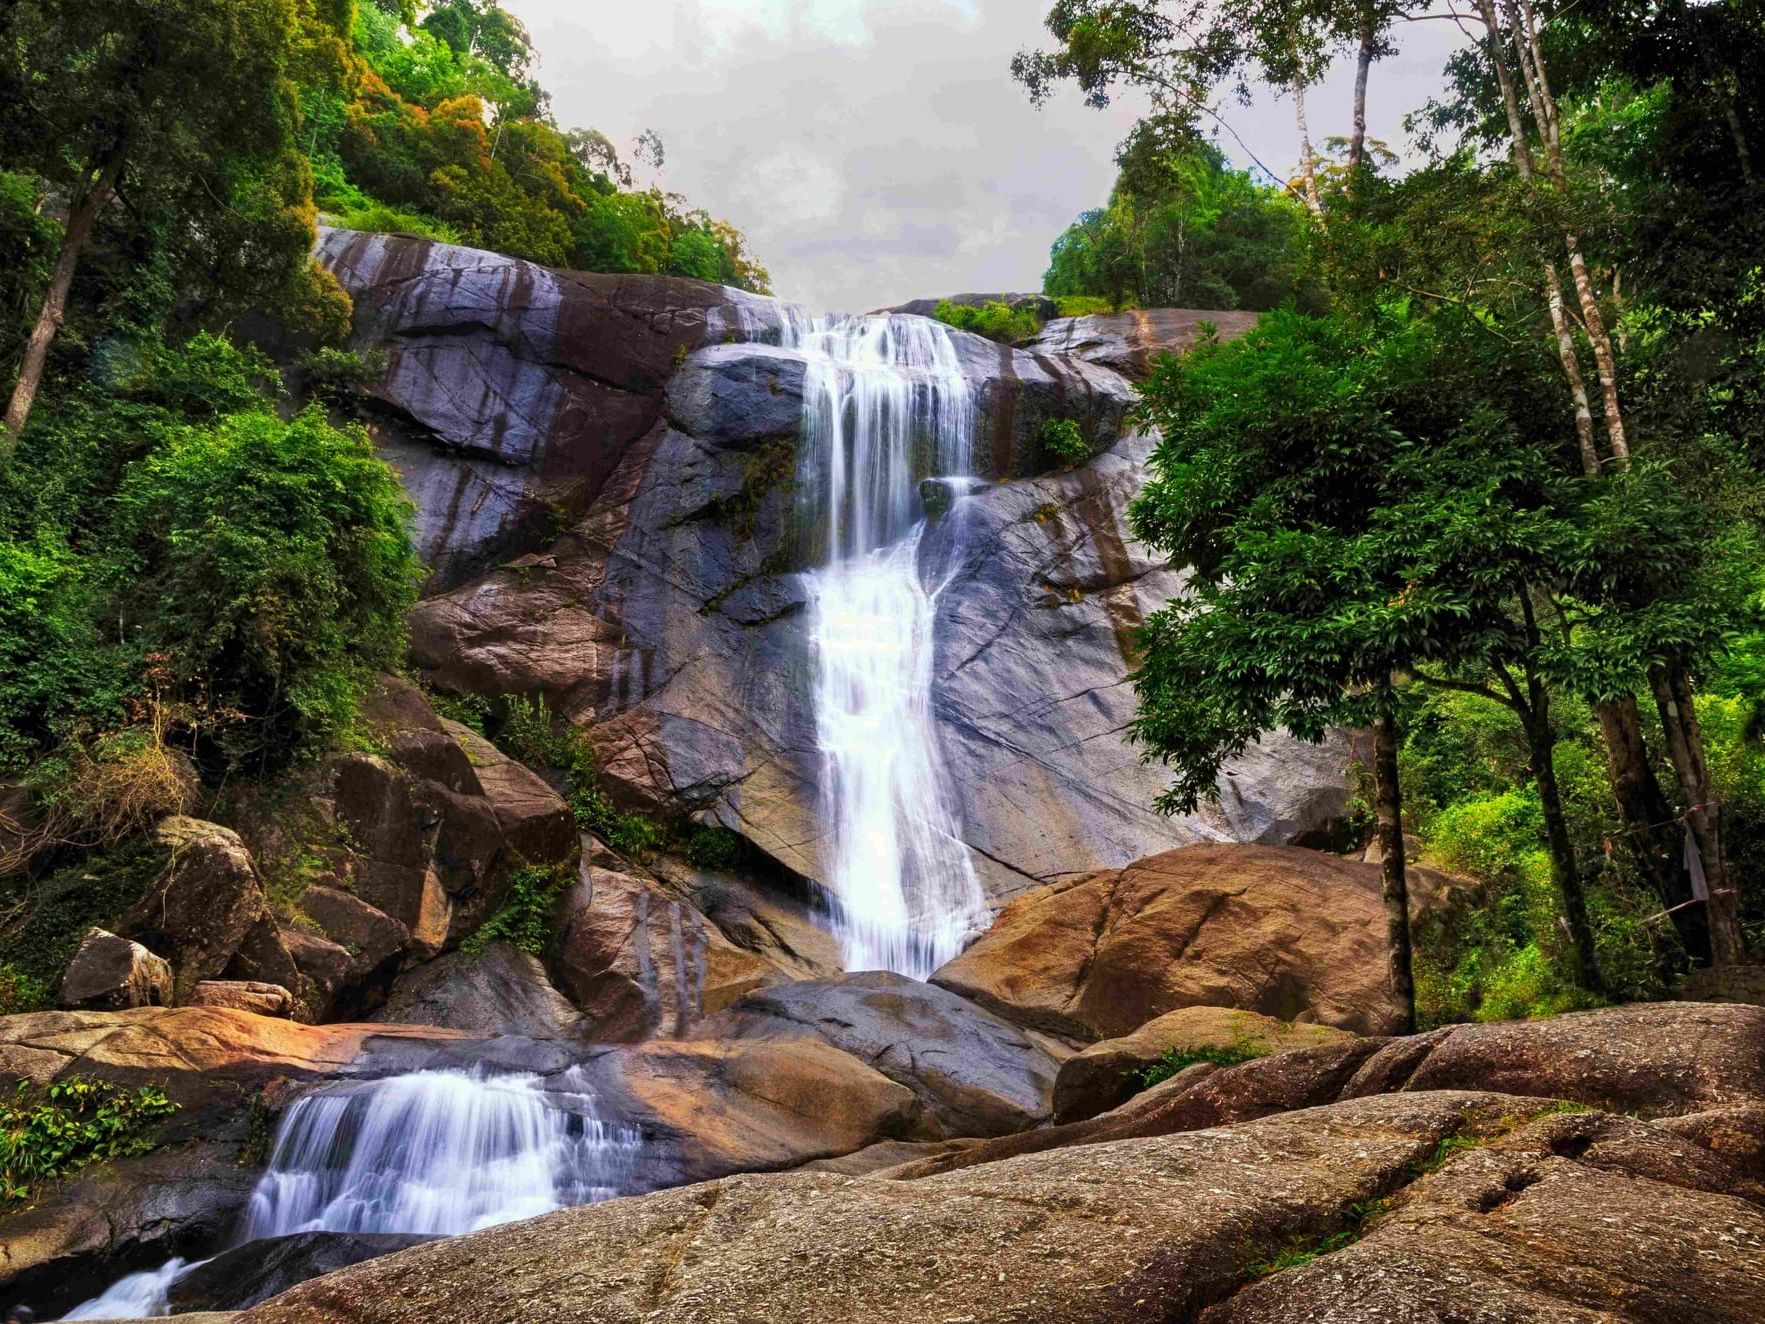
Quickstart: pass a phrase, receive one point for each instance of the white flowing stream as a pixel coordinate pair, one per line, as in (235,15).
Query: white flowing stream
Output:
(432,1152)
(885,405)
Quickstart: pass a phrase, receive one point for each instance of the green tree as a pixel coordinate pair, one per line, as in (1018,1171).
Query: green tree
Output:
(1357,503)
(183,110)
(270,563)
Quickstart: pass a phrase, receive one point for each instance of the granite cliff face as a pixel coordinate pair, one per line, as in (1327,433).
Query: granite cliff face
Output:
(604,470)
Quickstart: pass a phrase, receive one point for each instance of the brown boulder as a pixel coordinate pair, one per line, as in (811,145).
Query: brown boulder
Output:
(327,967)
(1279,930)
(710,1109)
(1655,1059)
(374,942)
(244,995)
(975,1073)
(638,961)
(109,973)
(1141,1230)
(207,912)
(1108,1073)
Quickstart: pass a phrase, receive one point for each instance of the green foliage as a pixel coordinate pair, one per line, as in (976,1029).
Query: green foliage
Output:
(445,135)
(1178,1058)
(530,732)
(527,914)
(270,562)
(996,320)
(379,218)
(1084,305)
(1183,229)
(714,847)
(49,1131)
(336,374)
(1063,441)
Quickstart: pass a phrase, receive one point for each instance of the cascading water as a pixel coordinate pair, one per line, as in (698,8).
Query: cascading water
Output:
(885,404)
(432,1152)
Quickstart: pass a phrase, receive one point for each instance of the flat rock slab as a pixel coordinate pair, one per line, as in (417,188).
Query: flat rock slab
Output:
(975,1073)
(1141,1230)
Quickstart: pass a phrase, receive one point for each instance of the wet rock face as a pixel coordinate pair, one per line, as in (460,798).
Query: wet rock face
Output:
(1129,341)
(654,424)
(511,387)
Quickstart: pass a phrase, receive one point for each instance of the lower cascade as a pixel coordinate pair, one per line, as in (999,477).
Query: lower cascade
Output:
(886,405)
(436,1153)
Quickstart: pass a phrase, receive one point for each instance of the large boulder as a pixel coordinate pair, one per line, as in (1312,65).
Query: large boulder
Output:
(109,973)
(1130,341)
(1652,1059)
(374,943)
(1161,1228)
(975,1073)
(709,1109)
(502,990)
(639,961)
(244,995)
(207,912)
(1286,932)
(1106,1074)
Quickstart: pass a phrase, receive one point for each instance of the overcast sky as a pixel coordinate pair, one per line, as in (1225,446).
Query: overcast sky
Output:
(875,151)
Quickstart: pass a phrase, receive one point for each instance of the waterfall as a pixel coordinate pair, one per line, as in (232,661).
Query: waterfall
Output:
(431,1152)
(885,405)
(437,1152)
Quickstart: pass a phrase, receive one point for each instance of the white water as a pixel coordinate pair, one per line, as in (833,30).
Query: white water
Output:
(435,1152)
(139,1296)
(885,405)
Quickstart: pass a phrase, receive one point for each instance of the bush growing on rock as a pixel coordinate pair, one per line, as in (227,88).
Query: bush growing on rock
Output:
(48,1132)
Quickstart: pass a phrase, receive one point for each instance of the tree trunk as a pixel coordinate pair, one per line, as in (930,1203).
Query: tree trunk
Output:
(1703,811)
(86,205)
(1388,795)
(1308,170)
(1541,739)
(1363,62)
(1652,833)
(1544,110)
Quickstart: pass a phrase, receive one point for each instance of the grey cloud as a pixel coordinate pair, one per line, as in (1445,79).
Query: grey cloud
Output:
(877,150)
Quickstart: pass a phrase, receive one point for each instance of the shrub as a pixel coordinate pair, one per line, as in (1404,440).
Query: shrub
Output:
(49,1131)
(381,219)
(270,562)
(526,918)
(1063,441)
(1086,305)
(996,320)
(530,732)
(714,848)
(1179,1058)
(336,374)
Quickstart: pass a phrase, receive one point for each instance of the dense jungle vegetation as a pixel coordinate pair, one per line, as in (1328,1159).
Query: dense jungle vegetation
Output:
(1487,482)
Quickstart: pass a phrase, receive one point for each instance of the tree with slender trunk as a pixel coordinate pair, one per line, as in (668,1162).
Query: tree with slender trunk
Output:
(1393,877)
(182,111)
